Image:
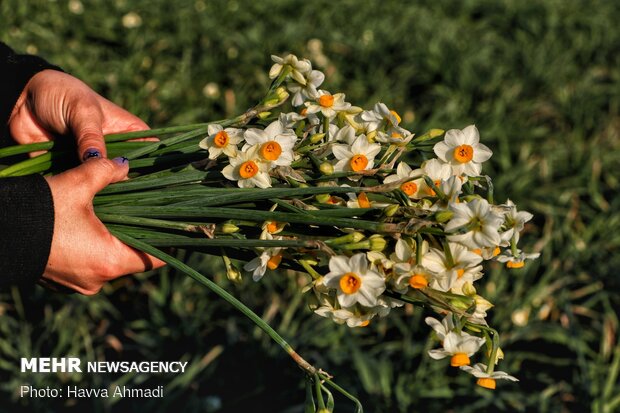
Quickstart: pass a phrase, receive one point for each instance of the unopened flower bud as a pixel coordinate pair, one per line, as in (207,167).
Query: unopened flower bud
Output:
(444,216)
(353,237)
(433,133)
(377,243)
(469,198)
(482,303)
(282,93)
(232,272)
(323,198)
(316,138)
(264,115)
(469,289)
(460,304)
(326,168)
(391,210)
(228,228)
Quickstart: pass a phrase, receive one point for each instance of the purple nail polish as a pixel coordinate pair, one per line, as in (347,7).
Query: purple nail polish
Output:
(91,153)
(121,160)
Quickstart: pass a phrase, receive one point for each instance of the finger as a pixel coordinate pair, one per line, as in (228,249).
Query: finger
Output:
(86,123)
(98,173)
(119,120)
(134,261)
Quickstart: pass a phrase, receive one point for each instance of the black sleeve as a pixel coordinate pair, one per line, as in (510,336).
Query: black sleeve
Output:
(26,205)
(26,228)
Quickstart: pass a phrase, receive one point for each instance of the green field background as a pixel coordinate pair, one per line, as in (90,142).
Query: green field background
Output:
(540,79)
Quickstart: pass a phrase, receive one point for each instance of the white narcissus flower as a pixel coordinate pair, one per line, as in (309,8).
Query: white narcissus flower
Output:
(479,370)
(478,224)
(354,281)
(516,260)
(275,143)
(438,172)
(380,116)
(248,169)
(359,156)
(220,140)
(416,277)
(298,67)
(451,189)
(268,259)
(411,188)
(326,103)
(441,328)
(459,346)
(302,92)
(463,151)
(342,315)
(514,221)
(345,134)
(396,136)
(465,267)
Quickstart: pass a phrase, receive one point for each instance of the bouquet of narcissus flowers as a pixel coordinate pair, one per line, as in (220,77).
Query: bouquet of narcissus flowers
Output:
(374,215)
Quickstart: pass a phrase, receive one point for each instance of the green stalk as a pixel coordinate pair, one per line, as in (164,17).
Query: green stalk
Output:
(228,242)
(179,265)
(30,147)
(252,215)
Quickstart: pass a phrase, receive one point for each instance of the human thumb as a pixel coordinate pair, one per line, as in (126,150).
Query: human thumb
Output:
(86,125)
(98,173)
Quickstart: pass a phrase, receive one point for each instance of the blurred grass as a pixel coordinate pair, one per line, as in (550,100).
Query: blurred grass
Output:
(541,80)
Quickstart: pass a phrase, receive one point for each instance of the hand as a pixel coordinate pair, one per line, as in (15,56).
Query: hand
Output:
(55,103)
(84,255)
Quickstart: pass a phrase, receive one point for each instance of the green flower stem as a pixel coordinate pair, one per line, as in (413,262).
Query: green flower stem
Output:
(406,298)
(164,212)
(309,269)
(238,195)
(179,265)
(160,179)
(229,242)
(153,146)
(158,223)
(37,164)
(117,137)
(329,382)
(20,149)
(495,342)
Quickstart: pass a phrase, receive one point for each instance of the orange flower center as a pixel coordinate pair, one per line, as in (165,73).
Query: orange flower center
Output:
(397,135)
(358,162)
(496,251)
(486,382)
(248,169)
(459,359)
(303,112)
(350,283)
(431,191)
(409,188)
(395,114)
(221,139)
(517,264)
(327,101)
(477,251)
(463,153)
(272,227)
(362,200)
(271,150)
(418,281)
(274,261)
(365,323)
(460,272)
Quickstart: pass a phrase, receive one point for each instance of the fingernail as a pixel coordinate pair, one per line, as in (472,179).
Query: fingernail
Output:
(121,160)
(91,153)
